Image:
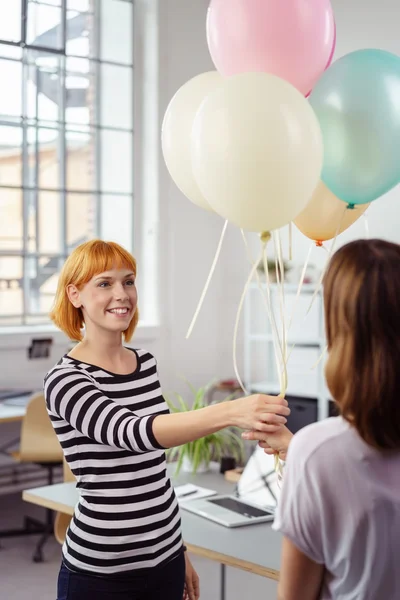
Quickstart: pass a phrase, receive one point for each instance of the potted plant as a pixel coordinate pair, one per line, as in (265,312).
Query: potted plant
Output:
(196,456)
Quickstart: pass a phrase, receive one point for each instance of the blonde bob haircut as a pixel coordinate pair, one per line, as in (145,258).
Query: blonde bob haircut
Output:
(362,321)
(86,261)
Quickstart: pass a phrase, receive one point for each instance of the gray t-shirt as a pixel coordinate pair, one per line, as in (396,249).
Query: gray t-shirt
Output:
(340,505)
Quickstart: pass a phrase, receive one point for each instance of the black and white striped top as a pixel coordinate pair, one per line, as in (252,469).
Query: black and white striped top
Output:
(127,517)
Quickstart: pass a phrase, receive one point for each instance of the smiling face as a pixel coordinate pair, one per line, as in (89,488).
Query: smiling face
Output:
(108,301)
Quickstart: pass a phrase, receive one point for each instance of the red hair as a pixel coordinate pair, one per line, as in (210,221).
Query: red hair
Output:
(86,261)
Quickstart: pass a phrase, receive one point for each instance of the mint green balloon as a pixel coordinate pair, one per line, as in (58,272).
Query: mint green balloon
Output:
(357,103)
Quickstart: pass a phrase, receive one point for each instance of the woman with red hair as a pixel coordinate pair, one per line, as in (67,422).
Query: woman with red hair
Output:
(106,405)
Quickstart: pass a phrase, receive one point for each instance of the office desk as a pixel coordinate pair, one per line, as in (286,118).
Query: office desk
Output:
(13,406)
(9,414)
(12,409)
(255,548)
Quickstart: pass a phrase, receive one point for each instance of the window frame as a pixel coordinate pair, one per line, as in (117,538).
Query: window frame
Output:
(30,193)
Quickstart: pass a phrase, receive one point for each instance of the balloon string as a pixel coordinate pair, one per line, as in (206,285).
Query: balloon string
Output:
(207,284)
(331,250)
(274,327)
(315,365)
(290,240)
(238,315)
(281,294)
(282,373)
(300,286)
(263,296)
(275,336)
(278,350)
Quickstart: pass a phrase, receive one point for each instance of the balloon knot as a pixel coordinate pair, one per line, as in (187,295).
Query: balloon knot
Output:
(351,206)
(265,236)
(318,243)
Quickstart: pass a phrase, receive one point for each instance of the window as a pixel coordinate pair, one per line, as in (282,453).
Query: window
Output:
(66,141)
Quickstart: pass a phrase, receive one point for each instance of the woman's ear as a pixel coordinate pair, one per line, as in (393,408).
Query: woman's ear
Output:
(74,295)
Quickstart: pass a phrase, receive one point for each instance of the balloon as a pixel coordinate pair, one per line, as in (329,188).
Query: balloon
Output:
(256,151)
(292,39)
(176,133)
(325,216)
(357,104)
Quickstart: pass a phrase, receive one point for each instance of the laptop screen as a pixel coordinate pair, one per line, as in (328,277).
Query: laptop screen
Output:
(240,507)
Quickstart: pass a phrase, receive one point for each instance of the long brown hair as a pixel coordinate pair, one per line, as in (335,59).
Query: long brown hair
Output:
(362,321)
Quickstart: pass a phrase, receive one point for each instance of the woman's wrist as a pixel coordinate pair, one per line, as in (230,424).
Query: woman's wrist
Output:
(283,452)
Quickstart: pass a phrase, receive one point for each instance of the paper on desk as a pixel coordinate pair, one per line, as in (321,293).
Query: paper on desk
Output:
(187,492)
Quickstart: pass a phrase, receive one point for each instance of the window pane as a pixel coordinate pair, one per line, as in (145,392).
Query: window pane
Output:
(10,285)
(116,161)
(44,88)
(43,276)
(10,22)
(49,222)
(10,155)
(10,51)
(43,157)
(80,39)
(11,226)
(44,25)
(80,161)
(81,219)
(81,5)
(11,98)
(116,96)
(51,2)
(116,25)
(116,219)
(80,91)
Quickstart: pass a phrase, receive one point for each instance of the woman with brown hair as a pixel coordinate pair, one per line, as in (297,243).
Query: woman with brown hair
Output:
(339,511)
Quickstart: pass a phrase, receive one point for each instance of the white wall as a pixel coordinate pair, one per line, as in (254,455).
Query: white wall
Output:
(189,236)
(364,24)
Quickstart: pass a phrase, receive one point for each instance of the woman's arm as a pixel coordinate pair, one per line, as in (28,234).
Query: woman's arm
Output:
(72,396)
(300,577)
(264,413)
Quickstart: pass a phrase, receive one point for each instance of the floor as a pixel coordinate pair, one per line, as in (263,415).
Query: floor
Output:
(21,579)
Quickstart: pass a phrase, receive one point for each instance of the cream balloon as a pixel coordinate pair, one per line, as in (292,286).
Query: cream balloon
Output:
(177,129)
(325,216)
(256,151)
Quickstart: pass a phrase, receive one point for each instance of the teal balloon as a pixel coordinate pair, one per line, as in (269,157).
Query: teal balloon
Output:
(357,103)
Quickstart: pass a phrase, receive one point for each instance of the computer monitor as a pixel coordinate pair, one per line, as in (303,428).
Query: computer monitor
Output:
(258,483)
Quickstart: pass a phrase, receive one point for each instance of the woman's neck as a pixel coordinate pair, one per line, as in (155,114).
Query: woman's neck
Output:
(100,348)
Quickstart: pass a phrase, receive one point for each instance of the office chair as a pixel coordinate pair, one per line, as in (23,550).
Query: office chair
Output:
(39,445)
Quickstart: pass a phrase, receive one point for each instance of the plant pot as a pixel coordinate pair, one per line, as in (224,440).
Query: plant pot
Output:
(187,466)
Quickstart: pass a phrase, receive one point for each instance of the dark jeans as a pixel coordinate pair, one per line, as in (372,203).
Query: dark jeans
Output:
(161,583)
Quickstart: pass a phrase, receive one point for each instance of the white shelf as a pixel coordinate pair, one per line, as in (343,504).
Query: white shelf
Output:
(272,387)
(307,337)
(291,288)
(298,342)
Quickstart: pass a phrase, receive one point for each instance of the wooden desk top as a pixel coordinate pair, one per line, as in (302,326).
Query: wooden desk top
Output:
(255,548)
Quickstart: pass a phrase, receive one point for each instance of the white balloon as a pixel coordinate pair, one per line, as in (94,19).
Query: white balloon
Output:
(177,130)
(256,151)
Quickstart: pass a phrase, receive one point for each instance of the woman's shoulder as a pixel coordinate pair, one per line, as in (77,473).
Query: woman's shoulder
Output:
(318,439)
(66,367)
(144,354)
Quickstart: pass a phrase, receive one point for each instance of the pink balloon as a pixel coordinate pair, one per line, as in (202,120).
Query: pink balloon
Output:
(293,39)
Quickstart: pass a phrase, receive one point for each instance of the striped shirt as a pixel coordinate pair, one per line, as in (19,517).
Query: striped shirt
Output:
(127,517)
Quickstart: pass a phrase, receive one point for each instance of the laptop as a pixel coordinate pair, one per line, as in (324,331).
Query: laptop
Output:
(230,511)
